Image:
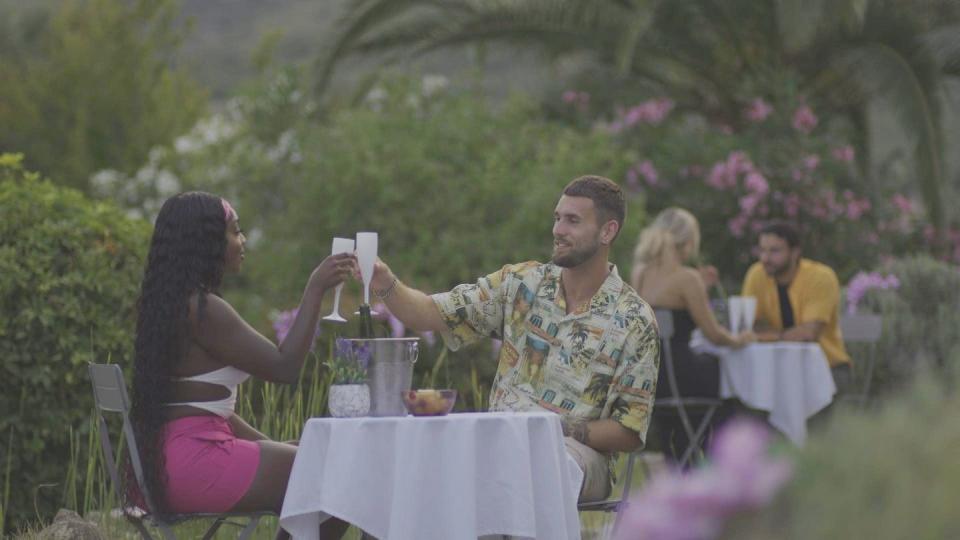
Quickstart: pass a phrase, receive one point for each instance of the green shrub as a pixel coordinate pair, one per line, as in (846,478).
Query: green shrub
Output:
(69,276)
(920,320)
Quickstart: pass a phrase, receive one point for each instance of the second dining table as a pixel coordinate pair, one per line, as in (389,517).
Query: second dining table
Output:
(790,380)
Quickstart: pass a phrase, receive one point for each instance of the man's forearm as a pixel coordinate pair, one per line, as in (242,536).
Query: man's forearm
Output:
(804,332)
(414,308)
(604,435)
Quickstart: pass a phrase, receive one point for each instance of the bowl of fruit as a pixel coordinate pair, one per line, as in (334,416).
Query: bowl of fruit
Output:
(428,401)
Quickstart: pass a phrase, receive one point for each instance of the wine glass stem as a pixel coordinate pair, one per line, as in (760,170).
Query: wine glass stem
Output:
(336,299)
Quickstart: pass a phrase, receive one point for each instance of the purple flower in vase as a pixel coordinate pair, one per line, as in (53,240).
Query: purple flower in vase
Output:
(363,354)
(343,348)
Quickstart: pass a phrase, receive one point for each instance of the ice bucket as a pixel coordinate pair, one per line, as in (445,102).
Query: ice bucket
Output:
(390,372)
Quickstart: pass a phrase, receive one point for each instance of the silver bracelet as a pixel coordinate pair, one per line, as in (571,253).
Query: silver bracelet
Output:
(383,294)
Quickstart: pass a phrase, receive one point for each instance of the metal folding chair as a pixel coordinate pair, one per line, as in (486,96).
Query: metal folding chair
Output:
(614,504)
(862,328)
(676,401)
(110,393)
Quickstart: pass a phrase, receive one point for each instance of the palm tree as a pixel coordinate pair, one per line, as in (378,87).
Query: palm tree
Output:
(708,55)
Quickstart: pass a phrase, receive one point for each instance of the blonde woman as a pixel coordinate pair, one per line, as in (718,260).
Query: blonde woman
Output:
(661,276)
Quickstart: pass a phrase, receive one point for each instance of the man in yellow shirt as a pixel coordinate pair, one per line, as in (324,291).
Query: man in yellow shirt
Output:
(797,299)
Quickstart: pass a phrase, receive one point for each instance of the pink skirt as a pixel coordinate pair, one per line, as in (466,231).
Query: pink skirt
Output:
(208,468)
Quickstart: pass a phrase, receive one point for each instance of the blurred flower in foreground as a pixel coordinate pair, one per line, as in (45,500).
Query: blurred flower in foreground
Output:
(694,506)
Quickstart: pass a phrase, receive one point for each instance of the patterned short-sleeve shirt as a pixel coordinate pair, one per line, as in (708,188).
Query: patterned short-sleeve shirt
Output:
(598,362)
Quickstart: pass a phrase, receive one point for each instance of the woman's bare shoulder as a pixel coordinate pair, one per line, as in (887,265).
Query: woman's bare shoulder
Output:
(213,307)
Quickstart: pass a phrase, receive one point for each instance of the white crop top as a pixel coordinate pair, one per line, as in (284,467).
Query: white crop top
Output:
(228,377)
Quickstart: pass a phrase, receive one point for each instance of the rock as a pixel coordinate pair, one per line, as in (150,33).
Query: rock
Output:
(68,525)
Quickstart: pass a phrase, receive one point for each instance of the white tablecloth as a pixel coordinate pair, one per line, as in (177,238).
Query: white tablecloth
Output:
(451,477)
(790,380)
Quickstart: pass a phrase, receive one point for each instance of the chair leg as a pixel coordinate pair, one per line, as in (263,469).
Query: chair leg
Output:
(694,442)
(166,531)
(141,528)
(213,528)
(248,530)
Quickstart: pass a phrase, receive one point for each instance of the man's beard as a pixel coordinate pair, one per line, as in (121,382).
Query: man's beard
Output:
(576,257)
(782,270)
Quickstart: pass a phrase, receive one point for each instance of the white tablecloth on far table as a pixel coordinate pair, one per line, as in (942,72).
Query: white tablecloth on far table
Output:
(790,380)
(450,477)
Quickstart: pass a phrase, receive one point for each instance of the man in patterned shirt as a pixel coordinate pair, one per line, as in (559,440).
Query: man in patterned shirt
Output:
(577,340)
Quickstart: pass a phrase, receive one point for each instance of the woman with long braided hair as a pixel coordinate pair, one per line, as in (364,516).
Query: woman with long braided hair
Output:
(192,350)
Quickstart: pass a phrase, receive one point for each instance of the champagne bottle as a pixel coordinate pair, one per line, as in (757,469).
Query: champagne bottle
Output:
(366,323)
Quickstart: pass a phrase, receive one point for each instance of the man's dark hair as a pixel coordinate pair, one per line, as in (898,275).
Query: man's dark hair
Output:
(784,229)
(606,195)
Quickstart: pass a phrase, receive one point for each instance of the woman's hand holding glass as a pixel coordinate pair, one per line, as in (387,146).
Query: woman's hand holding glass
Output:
(340,245)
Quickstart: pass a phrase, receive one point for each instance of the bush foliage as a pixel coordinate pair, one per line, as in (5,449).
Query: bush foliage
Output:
(920,320)
(69,276)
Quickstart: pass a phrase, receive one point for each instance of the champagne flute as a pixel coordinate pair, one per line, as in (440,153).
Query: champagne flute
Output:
(366,259)
(340,245)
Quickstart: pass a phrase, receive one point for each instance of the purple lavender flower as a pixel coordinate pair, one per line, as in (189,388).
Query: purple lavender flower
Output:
(397,329)
(363,354)
(282,322)
(343,348)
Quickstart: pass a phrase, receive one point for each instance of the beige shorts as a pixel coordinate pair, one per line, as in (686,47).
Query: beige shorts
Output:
(597,483)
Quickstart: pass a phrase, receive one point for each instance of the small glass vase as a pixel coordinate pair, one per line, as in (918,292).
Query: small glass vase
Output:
(349,400)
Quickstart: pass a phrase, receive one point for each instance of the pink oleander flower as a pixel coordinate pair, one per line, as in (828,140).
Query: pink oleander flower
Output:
(845,154)
(756,183)
(791,204)
(748,203)
(653,112)
(694,506)
(737,225)
(723,174)
(903,204)
(811,162)
(570,96)
(649,172)
(863,282)
(717,179)
(804,120)
(759,110)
